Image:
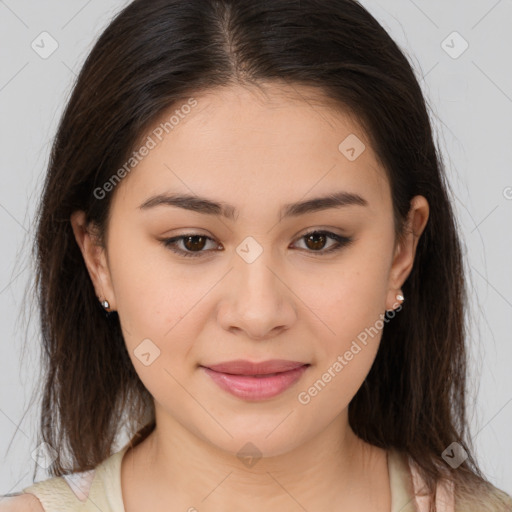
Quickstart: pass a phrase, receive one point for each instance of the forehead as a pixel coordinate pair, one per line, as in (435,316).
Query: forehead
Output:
(273,142)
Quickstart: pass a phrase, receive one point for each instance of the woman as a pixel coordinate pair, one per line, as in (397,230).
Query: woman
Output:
(248,259)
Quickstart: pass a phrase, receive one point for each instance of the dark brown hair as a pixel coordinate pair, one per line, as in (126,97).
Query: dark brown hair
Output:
(158,53)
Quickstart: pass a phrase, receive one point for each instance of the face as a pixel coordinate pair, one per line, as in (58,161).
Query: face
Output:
(194,287)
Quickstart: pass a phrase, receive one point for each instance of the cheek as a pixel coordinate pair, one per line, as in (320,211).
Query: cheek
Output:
(350,305)
(155,299)
(161,316)
(350,297)
(343,358)
(352,318)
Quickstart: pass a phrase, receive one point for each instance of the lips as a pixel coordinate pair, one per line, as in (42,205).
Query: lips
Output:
(243,367)
(256,381)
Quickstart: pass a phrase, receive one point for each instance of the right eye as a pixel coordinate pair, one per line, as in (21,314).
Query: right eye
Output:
(192,242)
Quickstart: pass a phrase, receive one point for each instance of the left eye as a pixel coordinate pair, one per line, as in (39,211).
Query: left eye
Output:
(315,240)
(193,244)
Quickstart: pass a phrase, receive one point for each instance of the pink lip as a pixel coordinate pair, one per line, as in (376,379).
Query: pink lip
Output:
(256,381)
(243,367)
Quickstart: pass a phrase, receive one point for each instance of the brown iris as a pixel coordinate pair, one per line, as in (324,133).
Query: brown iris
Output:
(195,243)
(315,240)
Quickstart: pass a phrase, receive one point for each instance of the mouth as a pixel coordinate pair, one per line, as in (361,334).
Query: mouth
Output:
(256,381)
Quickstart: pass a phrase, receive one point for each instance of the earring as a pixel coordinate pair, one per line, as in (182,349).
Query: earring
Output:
(105,304)
(400,298)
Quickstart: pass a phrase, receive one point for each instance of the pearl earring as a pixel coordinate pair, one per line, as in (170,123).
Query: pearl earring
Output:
(105,303)
(400,297)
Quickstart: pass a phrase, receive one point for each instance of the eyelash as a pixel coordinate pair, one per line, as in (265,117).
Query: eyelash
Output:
(341,242)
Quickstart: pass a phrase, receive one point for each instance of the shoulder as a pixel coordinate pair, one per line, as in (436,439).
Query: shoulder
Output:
(87,491)
(67,492)
(490,500)
(24,502)
(457,496)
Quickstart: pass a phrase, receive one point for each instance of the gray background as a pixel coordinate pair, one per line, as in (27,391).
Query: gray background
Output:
(471,101)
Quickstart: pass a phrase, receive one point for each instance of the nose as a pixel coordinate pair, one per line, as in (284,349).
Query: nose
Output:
(258,301)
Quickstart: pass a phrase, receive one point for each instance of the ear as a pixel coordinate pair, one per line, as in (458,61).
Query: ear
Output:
(95,257)
(405,250)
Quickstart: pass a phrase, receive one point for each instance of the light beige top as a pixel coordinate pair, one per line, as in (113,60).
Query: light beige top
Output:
(100,489)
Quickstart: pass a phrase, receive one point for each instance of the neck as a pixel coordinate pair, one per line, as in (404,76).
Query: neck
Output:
(174,466)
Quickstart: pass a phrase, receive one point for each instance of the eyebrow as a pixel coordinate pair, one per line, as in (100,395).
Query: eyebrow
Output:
(209,207)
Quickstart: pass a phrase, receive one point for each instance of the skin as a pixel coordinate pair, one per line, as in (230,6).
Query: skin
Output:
(256,150)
